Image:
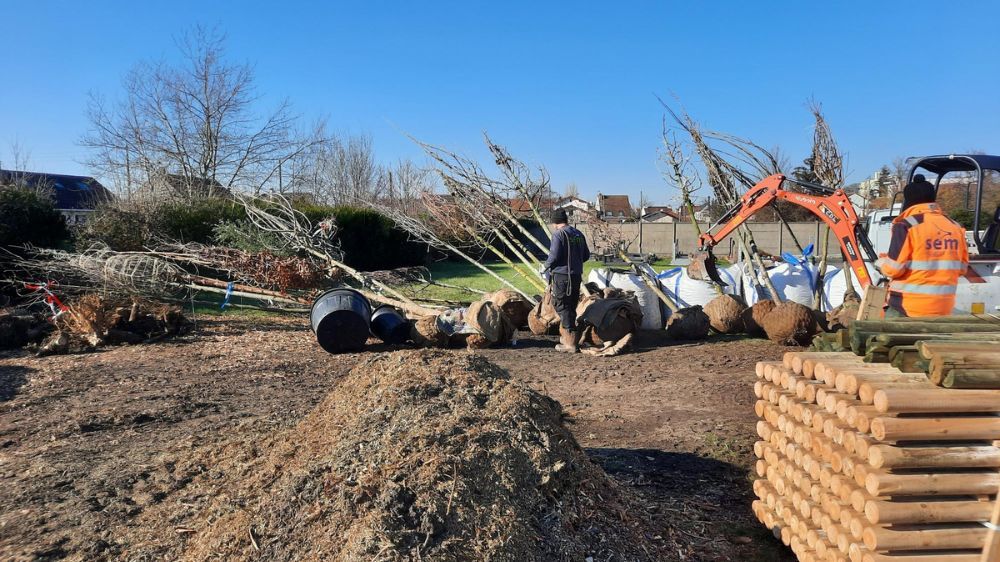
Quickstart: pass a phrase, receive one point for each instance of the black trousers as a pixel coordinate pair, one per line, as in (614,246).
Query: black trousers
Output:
(565,297)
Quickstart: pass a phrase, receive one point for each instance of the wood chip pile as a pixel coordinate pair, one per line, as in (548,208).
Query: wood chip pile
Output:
(862,461)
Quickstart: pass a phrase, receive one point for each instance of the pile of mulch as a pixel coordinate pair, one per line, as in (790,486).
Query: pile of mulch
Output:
(415,455)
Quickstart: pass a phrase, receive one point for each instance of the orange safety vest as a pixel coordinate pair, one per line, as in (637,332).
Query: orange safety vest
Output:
(927,255)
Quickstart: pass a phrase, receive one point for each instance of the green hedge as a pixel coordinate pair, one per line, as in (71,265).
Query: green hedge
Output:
(195,221)
(371,241)
(121,230)
(29,217)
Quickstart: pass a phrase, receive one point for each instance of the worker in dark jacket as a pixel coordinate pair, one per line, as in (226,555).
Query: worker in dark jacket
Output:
(567,252)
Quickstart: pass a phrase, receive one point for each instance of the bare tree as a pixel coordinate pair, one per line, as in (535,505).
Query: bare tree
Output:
(679,172)
(644,201)
(571,190)
(18,165)
(194,127)
(827,164)
(340,171)
(406,181)
(900,170)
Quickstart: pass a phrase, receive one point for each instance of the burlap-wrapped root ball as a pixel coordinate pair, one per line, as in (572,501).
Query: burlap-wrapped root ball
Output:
(791,323)
(725,313)
(425,333)
(753,318)
(515,306)
(688,324)
(476,341)
(543,320)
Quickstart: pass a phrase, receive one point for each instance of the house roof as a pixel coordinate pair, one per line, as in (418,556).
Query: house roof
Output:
(520,205)
(70,192)
(618,205)
(661,209)
(571,199)
(657,215)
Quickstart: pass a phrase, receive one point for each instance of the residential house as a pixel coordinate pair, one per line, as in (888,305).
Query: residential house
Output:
(167,187)
(702,213)
(76,197)
(655,213)
(522,208)
(615,208)
(576,209)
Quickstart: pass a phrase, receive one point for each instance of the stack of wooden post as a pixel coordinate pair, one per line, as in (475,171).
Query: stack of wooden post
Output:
(862,461)
(955,351)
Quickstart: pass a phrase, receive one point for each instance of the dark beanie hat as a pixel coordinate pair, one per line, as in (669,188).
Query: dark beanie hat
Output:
(918,191)
(559,217)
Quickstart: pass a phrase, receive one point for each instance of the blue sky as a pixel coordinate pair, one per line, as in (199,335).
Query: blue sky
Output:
(567,85)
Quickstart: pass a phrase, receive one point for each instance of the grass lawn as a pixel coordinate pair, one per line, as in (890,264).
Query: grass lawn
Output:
(467,275)
(208,304)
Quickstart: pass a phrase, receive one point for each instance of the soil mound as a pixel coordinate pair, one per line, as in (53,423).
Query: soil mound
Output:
(725,312)
(791,323)
(689,323)
(423,455)
(753,317)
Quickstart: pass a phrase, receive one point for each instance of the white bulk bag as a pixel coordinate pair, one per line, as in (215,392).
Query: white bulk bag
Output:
(835,285)
(686,291)
(793,282)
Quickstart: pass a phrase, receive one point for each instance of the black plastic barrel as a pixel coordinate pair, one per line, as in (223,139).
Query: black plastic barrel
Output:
(340,318)
(389,325)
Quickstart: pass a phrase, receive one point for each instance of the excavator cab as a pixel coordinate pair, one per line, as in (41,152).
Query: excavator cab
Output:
(968,191)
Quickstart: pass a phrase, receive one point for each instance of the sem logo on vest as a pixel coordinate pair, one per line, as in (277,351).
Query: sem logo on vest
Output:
(943,241)
(939,244)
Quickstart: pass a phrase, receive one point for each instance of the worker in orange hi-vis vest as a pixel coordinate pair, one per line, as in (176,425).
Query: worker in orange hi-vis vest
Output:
(927,255)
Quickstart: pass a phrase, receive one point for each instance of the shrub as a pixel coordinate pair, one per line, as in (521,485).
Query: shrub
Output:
(30,217)
(122,230)
(195,221)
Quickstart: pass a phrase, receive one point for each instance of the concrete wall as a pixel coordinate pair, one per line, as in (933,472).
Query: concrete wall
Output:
(771,237)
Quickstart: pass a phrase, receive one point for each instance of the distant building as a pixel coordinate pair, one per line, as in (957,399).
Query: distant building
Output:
(76,197)
(659,214)
(879,184)
(171,187)
(614,208)
(702,213)
(521,207)
(576,209)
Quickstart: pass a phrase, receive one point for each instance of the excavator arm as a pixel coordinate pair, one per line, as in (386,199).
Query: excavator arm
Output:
(829,205)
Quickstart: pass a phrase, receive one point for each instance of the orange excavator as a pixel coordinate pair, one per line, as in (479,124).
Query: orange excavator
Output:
(831,206)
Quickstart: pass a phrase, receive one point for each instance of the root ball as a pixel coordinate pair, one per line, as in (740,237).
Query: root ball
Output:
(753,318)
(791,323)
(688,324)
(725,313)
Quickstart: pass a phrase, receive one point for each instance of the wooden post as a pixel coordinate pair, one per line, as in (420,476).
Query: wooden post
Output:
(991,550)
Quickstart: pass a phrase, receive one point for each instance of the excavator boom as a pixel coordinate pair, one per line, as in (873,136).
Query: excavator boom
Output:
(830,205)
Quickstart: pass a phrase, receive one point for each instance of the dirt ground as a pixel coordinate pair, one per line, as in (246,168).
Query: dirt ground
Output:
(88,442)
